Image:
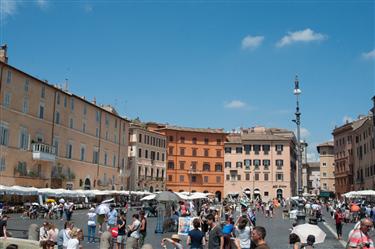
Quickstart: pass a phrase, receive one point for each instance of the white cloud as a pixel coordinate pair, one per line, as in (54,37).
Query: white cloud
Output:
(251,42)
(43,4)
(235,104)
(8,8)
(347,119)
(369,55)
(306,35)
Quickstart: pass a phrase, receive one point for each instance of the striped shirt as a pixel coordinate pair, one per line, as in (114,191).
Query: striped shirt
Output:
(361,240)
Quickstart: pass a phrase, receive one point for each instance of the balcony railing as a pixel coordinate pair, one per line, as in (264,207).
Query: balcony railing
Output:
(43,152)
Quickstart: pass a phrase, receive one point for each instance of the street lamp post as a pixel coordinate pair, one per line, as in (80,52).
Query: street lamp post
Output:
(300,214)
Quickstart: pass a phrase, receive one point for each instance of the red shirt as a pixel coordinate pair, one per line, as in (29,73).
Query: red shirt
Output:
(339,217)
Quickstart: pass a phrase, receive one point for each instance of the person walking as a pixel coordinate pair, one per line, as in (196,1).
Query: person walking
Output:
(258,235)
(216,237)
(339,217)
(3,226)
(243,232)
(360,238)
(133,233)
(73,242)
(121,224)
(112,217)
(91,225)
(143,228)
(195,237)
(309,242)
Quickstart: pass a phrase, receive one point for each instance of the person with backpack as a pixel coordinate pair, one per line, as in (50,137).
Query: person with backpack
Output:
(133,233)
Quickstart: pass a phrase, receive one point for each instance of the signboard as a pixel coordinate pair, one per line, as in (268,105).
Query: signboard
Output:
(185,224)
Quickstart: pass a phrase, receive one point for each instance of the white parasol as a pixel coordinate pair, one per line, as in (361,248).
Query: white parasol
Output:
(304,230)
(102,209)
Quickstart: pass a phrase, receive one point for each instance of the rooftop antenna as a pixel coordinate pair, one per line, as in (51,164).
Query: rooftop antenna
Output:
(66,85)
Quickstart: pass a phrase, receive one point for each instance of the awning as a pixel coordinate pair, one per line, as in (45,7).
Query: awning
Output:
(233,193)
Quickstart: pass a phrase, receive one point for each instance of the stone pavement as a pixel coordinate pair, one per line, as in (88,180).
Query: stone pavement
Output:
(277,230)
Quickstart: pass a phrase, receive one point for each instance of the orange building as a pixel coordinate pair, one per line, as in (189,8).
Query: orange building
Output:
(195,159)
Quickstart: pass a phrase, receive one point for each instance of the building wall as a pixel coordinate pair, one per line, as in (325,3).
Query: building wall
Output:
(259,181)
(364,156)
(181,161)
(69,125)
(147,172)
(327,168)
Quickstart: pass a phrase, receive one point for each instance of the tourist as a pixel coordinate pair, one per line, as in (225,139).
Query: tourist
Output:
(174,240)
(111,217)
(91,225)
(243,232)
(143,229)
(43,235)
(258,235)
(295,241)
(339,217)
(216,238)
(3,226)
(121,224)
(73,242)
(133,233)
(196,239)
(68,208)
(309,242)
(52,236)
(360,238)
(63,236)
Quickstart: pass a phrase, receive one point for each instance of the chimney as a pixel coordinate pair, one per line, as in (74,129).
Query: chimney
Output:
(3,53)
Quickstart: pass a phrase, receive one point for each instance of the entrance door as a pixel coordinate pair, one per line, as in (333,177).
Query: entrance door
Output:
(87,184)
(279,194)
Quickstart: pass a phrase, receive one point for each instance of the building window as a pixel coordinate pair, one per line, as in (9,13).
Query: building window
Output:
(106,135)
(84,127)
(218,167)
(247,148)
(256,163)
(182,151)
(206,152)
(65,101)
(228,150)
(170,165)
(238,164)
(170,138)
(218,153)
(256,149)
(182,165)
(105,158)
(140,138)
(24,138)
(4,134)
(58,98)
(228,177)
(239,150)
(72,103)
(95,156)
(43,92)
(69,151)
(182,178)
(279,163)
(266,176)
(114,162)
(97,132)
(162,157)
(193,166)
(218,179)
(146,154)
(170,150)
(228,164)
(279,149)
(25,106)
(324,174)
(218,141)
(55,143)
(194,152)
(41,111)
(6,101)
(157,156)
(206,167)
(107,119)
(256,177)
(206,141)
(279,177)
(9,76)
(97,116)
(239,177)
(71,123)
(194,140)
(2,164)
(205,179)
(84,109)
(169,178)
(266,163)
(247,177)
(83,152)
(324,164)
(139,153)
(182,140)
(247,163)
(266,148)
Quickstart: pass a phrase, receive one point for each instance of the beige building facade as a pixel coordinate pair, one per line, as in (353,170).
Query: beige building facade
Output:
(261,163)
(327,166)
(50,137)
(147,159)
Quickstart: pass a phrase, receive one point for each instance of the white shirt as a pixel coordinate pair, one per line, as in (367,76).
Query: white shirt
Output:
(244,237)
(136,225)
(73,244)
(91,219)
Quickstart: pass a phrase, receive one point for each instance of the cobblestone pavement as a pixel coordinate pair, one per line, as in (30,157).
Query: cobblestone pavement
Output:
(277,229)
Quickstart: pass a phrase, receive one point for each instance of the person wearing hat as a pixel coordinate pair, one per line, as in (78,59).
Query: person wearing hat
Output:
(174,240)
(3,226)
(91,225)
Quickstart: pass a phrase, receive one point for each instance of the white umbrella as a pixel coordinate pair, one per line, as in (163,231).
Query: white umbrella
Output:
(108,201)
(304,230)
(102,209)
(148,197)
(62,200)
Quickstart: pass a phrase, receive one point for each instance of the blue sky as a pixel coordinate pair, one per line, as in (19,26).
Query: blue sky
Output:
(222,64)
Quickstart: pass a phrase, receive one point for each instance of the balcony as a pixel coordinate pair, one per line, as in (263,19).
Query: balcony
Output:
(43,152)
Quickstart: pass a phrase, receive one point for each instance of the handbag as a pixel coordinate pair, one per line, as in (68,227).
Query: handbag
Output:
(114,232)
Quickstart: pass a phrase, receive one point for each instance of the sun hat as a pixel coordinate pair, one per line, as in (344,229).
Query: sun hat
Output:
(176,237)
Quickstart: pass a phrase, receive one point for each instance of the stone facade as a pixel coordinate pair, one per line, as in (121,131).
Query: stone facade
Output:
(327,166)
